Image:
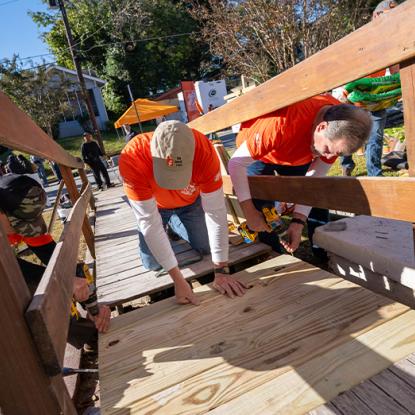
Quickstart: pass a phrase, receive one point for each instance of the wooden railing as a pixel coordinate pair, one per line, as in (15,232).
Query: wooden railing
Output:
(373,47)
(34,330)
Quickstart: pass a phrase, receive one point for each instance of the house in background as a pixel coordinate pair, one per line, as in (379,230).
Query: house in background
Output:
(69,126)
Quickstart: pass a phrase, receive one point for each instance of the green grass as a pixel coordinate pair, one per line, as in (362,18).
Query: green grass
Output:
(112,143)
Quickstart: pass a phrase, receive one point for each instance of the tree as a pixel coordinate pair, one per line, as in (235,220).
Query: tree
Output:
(261,38)
(35,92)
(149,44)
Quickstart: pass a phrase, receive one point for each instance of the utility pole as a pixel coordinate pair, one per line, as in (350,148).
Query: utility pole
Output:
(78,68)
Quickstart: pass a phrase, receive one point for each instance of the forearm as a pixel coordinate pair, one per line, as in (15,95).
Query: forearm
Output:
(214,207)
(238,165)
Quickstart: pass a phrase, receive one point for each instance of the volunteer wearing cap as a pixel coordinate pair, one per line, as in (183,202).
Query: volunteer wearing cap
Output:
(22,202)
(302,139)
(173,176)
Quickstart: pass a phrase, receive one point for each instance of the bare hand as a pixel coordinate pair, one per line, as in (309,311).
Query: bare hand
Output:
(184,293)
(102,319)
(80,289)
(293,237)
(229,286)
(256,222)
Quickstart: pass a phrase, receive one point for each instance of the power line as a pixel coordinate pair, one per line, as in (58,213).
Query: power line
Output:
(8,2)
(117,43)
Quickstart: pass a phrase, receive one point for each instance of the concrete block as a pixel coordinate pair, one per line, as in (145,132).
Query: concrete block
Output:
(383,246)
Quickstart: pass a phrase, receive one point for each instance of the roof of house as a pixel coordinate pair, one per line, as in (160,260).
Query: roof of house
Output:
(72,72)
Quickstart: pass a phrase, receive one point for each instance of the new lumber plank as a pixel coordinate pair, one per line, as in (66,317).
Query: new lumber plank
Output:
(376,196)
(322,71)
(295,327)
(19,132)
(48,313)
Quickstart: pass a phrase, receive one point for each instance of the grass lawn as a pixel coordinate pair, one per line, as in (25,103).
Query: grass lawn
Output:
(112,143)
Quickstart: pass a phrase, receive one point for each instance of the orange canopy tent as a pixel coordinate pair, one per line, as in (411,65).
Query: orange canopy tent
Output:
(147,110)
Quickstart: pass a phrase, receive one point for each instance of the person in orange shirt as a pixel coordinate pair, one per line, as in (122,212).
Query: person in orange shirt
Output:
(172,176)
(302,139)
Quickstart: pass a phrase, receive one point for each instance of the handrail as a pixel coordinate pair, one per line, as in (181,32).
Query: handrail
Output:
(19,132)
(48,313)
(375,46)
(385,197)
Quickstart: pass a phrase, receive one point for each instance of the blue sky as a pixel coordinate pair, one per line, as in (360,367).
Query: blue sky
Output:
(18,33)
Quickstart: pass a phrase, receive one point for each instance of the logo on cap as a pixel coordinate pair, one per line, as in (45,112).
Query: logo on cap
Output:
(169,161)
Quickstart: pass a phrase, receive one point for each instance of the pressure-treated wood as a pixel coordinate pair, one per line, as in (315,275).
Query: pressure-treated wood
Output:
(24,387)
(377,45)
(299,337)
(74,195)
(408,94)
(19,132)
(376,196)
(48,313)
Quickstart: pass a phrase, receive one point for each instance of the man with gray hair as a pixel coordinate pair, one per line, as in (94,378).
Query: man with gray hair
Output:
(302,139)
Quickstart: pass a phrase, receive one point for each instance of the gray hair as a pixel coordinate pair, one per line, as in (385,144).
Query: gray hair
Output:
(349,122)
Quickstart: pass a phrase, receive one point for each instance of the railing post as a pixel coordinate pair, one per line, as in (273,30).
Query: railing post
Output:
(407,71)
(85,181)
(74,195)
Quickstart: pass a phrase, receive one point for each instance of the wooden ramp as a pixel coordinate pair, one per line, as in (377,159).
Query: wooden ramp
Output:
(120,275)
(297,339)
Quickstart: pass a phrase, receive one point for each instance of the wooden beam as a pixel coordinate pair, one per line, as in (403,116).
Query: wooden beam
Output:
(356,55)
(407,71)
(24,387)
(48,313)
(19,132)
(391,198)
(74,195)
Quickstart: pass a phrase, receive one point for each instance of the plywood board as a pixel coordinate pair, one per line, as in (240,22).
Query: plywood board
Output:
(298,338)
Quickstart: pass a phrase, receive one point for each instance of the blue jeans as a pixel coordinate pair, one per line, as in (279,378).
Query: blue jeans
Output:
(188,222)
(316,218)
(374,146)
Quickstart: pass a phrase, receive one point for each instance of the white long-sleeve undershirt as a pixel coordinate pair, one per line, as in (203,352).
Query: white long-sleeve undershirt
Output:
(242,158)
(150,225)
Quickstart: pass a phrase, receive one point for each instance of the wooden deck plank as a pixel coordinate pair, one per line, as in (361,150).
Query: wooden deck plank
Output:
(120,275)
(375,398)
(294,341)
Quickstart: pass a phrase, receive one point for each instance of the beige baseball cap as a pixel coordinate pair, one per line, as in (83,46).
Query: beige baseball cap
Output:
(173,150)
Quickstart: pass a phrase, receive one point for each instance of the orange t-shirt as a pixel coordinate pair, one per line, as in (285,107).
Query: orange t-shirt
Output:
(136,168)
(285,136)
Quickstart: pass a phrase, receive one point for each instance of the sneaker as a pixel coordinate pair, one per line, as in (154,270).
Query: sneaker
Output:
(111,185)
(347,171)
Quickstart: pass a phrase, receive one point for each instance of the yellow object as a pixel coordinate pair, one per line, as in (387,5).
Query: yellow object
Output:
(88,275)
(248,235)
(74,310)
(147,110)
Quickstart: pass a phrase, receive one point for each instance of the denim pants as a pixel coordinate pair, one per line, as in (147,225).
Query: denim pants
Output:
(374,146)
(316,218)
(188,222)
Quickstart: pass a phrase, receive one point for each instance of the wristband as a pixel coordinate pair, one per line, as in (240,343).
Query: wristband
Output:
(296,220)
(222,270)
